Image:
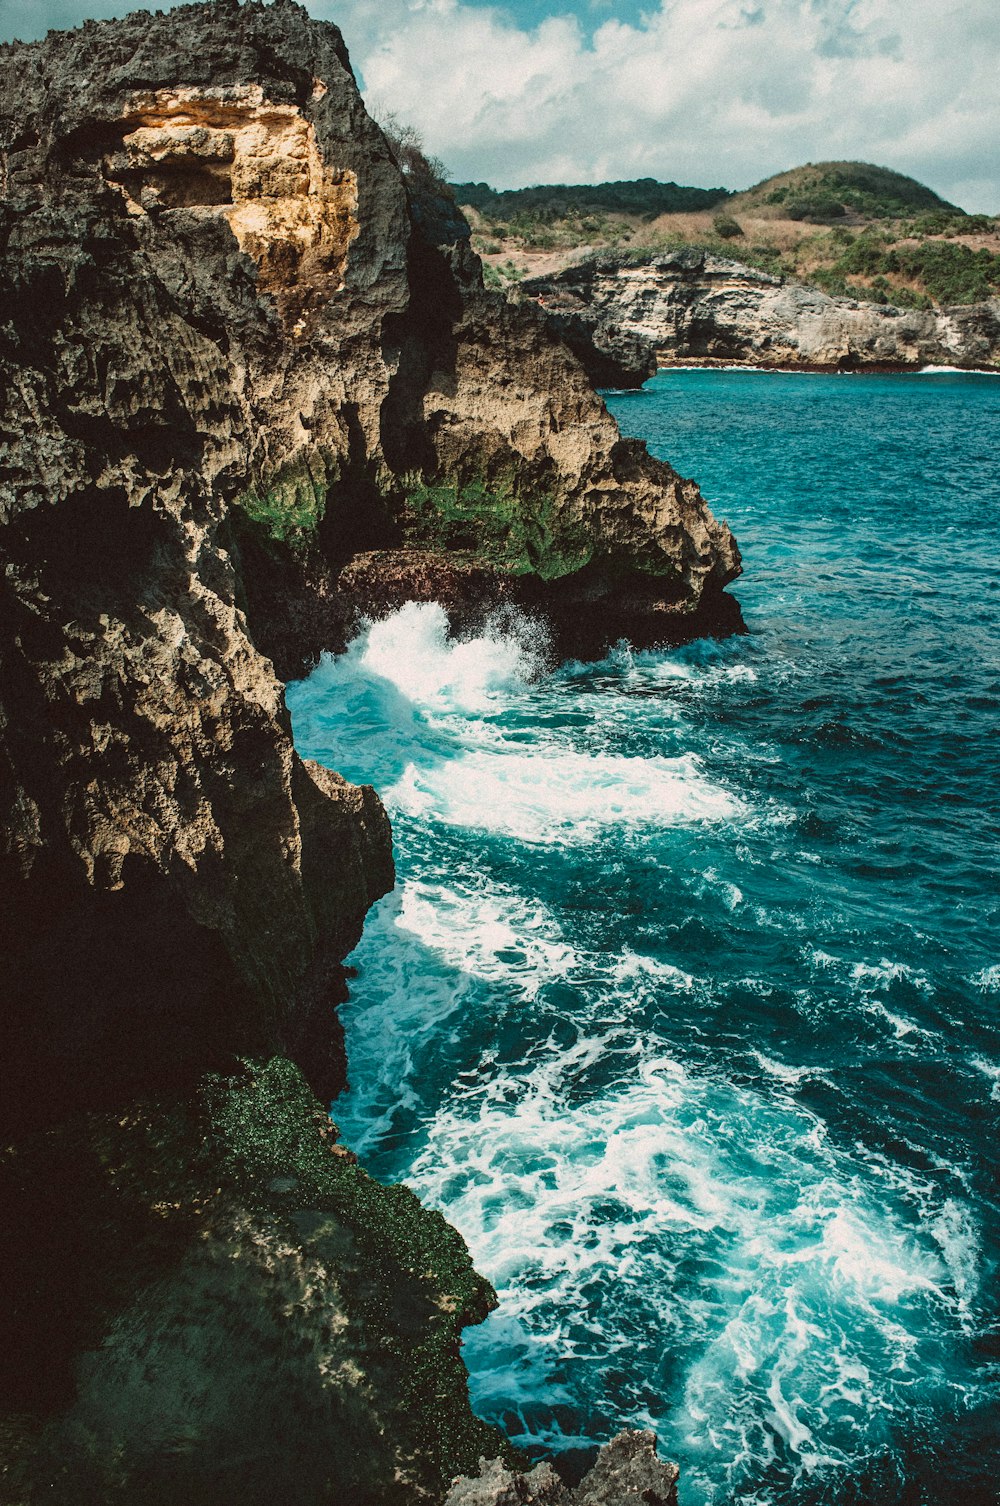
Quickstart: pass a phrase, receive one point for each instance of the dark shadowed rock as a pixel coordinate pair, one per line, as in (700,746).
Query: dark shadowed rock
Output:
(612,356)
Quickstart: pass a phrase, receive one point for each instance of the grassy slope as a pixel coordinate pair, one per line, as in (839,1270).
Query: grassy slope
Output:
(849,228)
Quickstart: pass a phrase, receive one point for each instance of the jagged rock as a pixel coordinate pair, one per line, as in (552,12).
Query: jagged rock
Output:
(232,362)
(626,1472)
(691,305)
(497,1485)
(179,884)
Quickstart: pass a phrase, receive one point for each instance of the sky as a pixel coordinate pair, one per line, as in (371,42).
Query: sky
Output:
(716,93)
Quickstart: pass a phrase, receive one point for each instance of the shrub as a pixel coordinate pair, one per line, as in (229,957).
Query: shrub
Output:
(726,227)
(950,273)
(422,172)
(817,209)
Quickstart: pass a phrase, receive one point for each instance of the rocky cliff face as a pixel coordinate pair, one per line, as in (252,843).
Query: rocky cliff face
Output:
(690,305)
(250,383)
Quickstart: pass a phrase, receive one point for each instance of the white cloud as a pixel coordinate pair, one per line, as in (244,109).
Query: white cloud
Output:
(705,91)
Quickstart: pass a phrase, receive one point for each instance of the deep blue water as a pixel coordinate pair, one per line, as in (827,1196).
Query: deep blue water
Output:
(686,1009)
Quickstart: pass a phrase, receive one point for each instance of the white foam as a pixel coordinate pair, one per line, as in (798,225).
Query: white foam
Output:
(991,1071)
(988,979)
(711,882)
(878,974)
(561,795)
(492,935)
(782,1071)
(777,1282)
(724,366)
(631,967)
(958,1238)
(411,650)
(872,979)
(955,371)
(806,1284)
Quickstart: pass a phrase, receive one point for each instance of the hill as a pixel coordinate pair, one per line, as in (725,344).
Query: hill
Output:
(824,191)
(850,228)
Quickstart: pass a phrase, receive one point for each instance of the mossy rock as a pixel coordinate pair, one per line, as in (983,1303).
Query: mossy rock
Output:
(517,529)
(242,1314)
(289,504)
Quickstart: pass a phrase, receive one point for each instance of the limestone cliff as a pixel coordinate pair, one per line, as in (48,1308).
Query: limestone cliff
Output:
(251,382)
(691,305)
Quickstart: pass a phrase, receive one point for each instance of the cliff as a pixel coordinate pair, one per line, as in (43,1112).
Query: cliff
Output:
(689,305)
(251,384)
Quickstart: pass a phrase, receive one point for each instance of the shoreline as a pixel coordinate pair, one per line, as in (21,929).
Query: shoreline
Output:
(815,368)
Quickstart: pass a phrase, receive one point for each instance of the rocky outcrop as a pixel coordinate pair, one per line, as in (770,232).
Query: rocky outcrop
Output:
(236,353)
(251,384)
(611,356)
(690,305)
(180,884)
(207,1301)
(626,1472)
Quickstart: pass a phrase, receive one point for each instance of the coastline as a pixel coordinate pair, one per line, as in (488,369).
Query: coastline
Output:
(692,307)
(812,368)
(274,398)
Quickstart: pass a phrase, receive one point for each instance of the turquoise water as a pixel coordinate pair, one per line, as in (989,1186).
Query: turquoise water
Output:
(685,1008)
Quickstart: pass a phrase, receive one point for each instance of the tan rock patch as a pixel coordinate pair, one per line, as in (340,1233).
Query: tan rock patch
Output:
(255,162)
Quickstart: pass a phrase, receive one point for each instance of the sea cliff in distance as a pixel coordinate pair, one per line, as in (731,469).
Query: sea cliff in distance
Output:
(840,266)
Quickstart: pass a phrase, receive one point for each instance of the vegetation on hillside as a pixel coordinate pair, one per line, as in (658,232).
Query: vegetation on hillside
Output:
(850,228)
(641,196)
(821,192)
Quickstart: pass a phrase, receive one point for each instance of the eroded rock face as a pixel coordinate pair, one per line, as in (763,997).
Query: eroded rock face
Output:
(259,161)
(689,305)
(236,354)
(612,356)
(173,229)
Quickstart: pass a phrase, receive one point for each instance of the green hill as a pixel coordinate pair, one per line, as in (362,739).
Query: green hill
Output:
(822,192)
(851,228)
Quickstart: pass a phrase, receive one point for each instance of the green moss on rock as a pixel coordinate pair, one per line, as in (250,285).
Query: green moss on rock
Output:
(235,1313)
(289,505)
(268,1126)
(517,529)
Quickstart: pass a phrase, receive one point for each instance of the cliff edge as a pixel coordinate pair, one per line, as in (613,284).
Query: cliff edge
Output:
(251,386)
(690,305)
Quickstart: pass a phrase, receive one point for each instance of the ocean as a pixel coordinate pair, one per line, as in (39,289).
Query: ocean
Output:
(686,1007)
